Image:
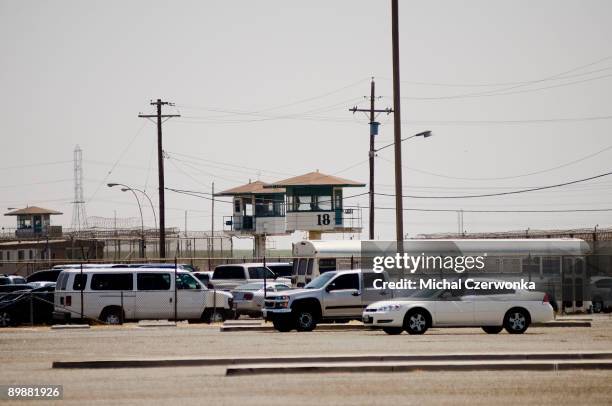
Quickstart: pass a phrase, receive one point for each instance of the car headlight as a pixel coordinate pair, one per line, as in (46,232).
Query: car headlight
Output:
(389,308)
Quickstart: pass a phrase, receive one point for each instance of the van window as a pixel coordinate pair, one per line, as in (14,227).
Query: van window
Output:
(302,266)
(309,269)
(153,281)
(80,280)
(186,281)
(64,281)
(327,264)
(257,272)
(296,261)
(229,272)
(112,281)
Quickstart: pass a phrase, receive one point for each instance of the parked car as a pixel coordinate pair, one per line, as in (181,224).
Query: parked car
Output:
(113,295)
(12,280)
(601,293)
(492,310)
(332,296)
(249,298)
(281,269)
(228,277)
(17,307)
(14,287)
(47,275)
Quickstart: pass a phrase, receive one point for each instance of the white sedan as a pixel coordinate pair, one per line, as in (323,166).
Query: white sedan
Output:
(249,298)
(492,310)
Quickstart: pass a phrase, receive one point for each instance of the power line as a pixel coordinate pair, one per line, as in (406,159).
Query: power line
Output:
(228,164)
(277,107)
(584,158)
(34,165)
(505,92)
(559,76)
(498,211)
(503,193)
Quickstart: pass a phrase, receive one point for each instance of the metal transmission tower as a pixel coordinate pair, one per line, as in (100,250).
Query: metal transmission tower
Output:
(79,216)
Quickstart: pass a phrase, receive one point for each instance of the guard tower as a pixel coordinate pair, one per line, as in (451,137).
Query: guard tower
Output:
(257,212)
(34,222)
(314,203)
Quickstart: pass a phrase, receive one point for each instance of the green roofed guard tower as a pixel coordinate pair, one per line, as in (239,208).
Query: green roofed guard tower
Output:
(257,212)
(314,203)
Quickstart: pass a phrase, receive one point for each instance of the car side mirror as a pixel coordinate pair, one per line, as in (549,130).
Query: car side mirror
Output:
(210,286)
(328,288)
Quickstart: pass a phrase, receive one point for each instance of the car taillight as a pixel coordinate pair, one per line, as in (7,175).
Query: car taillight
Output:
(546,298)
(248,296)
(68,300)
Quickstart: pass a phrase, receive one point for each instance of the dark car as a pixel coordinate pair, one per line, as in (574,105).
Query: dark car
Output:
(14,287)
(48,275)
(18,307)
(11,280)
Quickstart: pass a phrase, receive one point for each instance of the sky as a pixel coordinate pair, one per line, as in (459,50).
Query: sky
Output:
(517,95)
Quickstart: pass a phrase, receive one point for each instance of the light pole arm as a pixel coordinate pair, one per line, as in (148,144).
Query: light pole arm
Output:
(151,203)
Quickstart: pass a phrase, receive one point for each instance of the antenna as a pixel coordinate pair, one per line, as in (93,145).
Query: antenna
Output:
(79,216)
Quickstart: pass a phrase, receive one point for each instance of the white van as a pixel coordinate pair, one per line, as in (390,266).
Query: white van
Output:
(113,295)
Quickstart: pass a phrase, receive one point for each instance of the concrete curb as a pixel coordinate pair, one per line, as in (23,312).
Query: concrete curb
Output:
(412,367)
(70,327)
(157,324)
(340,327)
(327,359)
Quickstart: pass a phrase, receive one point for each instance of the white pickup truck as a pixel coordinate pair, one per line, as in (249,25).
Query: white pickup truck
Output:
(228,277)
(333,296)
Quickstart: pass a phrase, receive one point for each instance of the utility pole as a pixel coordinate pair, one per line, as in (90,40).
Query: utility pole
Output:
(160,169)
(212,220)
(373,132)
(397,129)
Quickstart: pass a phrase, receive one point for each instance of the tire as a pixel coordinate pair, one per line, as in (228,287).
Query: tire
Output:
(283,325)
(598,306)
(210,316)
(6,319)
(417,322)
(393,331)
(305,319)
(516,321)
(111,316)
(493,329)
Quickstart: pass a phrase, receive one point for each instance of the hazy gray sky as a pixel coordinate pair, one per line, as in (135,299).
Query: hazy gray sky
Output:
(79,72)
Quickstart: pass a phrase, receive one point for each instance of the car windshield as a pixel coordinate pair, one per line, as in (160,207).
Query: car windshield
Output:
(251,286)
(320,281)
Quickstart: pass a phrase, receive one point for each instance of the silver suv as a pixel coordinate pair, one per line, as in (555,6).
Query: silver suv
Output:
(333,296)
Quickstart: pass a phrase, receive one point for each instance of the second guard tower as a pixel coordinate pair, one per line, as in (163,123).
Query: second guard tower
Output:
(314,203)
(257,212)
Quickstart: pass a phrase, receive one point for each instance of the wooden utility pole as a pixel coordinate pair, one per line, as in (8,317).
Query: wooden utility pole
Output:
(373,132)
(160,169)
(212,219)
(397,129)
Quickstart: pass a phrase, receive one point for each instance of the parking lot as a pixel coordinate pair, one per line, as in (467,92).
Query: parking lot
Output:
(27,355)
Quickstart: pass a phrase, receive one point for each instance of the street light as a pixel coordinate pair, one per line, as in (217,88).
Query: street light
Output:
(142,240)
(423,134)
(125,189)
